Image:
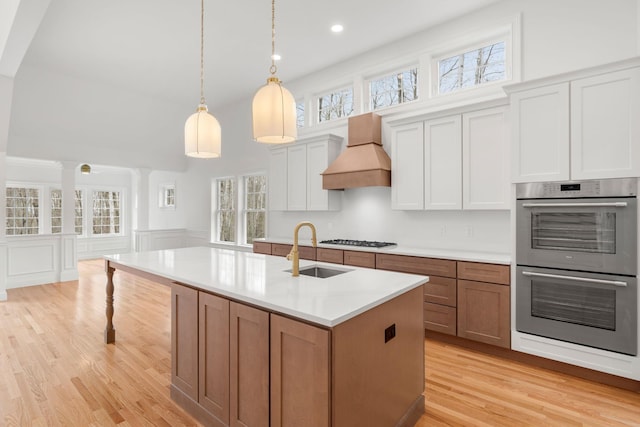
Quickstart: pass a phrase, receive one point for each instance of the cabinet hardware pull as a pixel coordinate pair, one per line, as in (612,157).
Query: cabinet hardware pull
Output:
(577,279)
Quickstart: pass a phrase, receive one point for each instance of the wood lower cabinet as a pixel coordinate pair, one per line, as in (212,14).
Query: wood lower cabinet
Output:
(249,367)
(184,340)
(360,259)
(305,252)
(300,374)
(213,331)
(484,312)
(335,256)
(262,248)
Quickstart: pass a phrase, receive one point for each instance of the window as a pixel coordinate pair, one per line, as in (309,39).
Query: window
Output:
(106,212)
(255,190)
(300,114)
(78,212)
(167,196)
(226,213)
(472,68)
(22,211)
(393,89)
(56,211)
(335,105)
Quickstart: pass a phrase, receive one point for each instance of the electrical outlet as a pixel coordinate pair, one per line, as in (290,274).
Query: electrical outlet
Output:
(443,230)
(390,333)
(469,231)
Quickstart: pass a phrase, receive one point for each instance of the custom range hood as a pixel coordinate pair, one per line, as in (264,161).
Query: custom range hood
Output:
(364,163)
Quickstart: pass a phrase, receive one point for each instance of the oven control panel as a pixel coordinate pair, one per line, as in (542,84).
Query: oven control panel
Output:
(619,187)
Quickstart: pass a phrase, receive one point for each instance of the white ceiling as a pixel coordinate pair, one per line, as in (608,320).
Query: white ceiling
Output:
(153,46)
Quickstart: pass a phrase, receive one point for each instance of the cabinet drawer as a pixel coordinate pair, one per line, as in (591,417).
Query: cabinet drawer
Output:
(416,265)
(440,318)
(441,290)
(335,256)
(305,252)
(262,248)
(480,272)
(360,259)
(484,312)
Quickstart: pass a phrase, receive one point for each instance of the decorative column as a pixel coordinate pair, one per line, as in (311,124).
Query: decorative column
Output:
(141,209)
(68,237)
(6,95)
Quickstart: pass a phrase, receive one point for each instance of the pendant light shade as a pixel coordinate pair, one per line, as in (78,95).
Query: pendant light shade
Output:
(202,135)
(274,114)
(274,109)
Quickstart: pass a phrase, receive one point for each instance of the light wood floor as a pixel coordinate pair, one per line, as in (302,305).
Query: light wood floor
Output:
(55,369)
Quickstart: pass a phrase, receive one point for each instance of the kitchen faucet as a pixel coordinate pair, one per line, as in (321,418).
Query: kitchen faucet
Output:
(294,256)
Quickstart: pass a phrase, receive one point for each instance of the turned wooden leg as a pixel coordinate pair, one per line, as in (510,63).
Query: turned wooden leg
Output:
(109,331)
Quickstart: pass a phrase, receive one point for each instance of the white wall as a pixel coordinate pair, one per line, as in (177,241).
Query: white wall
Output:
(557,36)
(164,218)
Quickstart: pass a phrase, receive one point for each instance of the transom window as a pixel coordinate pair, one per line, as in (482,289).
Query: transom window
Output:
(226,212)
(106,212)
(23,213)
(472,68)
(335,105)
(300,114)
(393,89)
(255,207)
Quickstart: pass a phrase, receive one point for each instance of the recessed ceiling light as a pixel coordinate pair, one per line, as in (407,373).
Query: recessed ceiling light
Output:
(337,28)
(276,57)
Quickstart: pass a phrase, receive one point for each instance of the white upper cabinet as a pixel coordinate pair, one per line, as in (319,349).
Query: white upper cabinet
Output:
(540,134)
(579,125)
(485,160)
(455,162)
(278,179)
(442,163)
(605,125)
(407,167)
(295,180)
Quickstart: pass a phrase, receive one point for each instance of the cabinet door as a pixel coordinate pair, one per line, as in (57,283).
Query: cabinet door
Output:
(443,163)
(484,312)
(540,134)
(249,367)
(297,178)
(213,394)
(319,156)
(485,160)
(605,126)
(407,171)
(278,179)
(300,374)
(184,340)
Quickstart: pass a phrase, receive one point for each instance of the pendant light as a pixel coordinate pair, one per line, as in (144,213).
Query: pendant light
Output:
(202,133)
(85,169)
(274,109)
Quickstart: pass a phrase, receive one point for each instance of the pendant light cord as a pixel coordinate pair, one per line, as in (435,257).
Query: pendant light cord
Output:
(202,101)
(273,68)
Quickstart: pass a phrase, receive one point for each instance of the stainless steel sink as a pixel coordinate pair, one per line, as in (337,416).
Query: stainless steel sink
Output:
(320,272)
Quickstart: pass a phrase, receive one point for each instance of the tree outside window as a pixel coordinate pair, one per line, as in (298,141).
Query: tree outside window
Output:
(22,214)
(393,89)
(78,217)
(472,68)
(56,211)
(106,212)
(335,105)
(226,210)
(255,207)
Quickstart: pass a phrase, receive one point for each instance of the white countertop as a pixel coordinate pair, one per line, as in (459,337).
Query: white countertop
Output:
(261,280)
(457,255)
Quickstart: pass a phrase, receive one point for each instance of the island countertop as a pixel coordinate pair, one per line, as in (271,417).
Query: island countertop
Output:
(263,281)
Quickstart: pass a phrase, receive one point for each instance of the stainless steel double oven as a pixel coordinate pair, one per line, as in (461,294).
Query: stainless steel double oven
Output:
(576,255)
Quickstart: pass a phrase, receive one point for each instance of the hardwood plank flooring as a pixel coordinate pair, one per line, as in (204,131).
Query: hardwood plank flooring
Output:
(55,369)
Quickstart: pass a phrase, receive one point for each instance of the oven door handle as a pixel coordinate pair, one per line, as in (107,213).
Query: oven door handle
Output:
(576,205)
(577,279)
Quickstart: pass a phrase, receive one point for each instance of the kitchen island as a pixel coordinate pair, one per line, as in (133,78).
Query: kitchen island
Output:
(252,345)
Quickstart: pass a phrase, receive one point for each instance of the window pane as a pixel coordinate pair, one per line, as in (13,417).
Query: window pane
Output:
(255,207)
(335,105)
(56,211)
(22,211)
(394,89)
(255,226)
(226,210)
(106,212)
(472,68)
(78,212)
(300,114)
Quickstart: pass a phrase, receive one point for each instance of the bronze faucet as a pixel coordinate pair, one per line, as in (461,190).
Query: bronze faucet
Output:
(294,256)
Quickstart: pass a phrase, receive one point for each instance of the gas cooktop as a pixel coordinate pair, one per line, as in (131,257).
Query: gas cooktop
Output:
(365,243)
